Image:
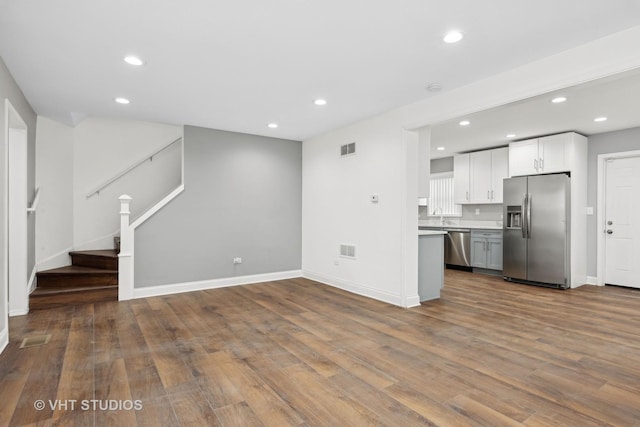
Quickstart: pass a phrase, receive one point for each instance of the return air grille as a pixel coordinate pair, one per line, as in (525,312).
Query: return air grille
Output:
(348,149)
(348,251)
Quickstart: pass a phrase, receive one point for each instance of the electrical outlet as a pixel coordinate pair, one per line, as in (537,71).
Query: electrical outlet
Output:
(374,198)
(477,211)
(237,260)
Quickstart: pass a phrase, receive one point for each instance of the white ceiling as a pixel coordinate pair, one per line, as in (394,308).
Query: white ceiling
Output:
(238,65)
(615,97)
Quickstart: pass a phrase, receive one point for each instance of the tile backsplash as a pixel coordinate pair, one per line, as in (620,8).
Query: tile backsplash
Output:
(487,212)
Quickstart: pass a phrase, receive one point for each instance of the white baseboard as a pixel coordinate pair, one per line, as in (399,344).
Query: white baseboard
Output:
(153,291)
(19,312)
(413,301)
(591,280)
(59,259)
(104,242)
(32,279)
(355,288)
(4,339)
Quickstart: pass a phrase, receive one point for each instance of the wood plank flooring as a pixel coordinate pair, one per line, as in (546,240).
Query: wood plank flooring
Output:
(296,352)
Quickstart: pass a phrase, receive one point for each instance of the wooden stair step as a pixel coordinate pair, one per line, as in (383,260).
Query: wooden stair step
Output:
(76,276)
(106,259)
(43,298)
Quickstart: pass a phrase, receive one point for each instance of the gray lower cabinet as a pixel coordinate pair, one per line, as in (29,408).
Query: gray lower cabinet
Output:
(486,249)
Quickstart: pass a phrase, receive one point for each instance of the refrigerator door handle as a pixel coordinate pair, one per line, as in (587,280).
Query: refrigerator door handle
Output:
(529,216)
(524,217)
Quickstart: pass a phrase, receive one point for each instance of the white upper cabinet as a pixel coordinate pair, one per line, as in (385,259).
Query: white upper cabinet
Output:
(478,176)
(548,154)
(523,157)
(461,179)
(480,181)
(499,171)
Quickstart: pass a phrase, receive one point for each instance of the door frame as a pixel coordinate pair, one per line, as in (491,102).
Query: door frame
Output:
(14,122)
(600,214)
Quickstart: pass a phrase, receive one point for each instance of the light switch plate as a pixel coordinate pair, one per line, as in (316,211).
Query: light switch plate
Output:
(589,210)
(374,198)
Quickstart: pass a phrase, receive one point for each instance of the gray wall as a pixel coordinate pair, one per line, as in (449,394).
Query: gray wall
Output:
(604,143)
(9,89)
(444,164)
(242,198)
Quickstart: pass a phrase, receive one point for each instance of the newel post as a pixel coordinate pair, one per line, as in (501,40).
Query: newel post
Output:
(125,257)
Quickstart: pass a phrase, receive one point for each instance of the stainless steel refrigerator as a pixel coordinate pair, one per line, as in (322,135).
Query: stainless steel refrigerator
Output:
(536,218)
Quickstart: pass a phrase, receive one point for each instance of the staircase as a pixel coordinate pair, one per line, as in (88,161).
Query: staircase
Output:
(92,277)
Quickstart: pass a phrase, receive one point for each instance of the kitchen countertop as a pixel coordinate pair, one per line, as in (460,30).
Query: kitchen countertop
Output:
(431,232)
(459,223)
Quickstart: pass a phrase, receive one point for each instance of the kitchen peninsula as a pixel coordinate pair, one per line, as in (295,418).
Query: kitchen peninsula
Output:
(430,263)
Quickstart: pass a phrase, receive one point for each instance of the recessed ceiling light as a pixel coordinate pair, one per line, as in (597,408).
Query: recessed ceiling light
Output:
(320,101)
(558,99)
(453,37)
(465,123)
(133,60)
(511,135)
(272,125)
(440,148)
(434,87)
(600,119)
(122,100)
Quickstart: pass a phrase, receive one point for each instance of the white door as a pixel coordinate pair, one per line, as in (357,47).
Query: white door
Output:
(622,222)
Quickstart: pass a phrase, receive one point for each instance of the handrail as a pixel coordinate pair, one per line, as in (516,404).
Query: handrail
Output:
(122,173)
(34,204)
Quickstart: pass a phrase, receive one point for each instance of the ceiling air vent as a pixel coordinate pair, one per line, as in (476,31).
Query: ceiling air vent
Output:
(348,149)
(348,251)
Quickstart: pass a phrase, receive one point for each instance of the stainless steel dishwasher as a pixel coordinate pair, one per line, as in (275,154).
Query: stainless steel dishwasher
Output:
(457,247)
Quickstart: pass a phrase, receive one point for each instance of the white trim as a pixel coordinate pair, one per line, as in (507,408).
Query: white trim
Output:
(32,280)
(97,243)
(13,120)
(56,260)
(354,288)
(591,280)
(176,288)
(4,338)
(600,246)
(162,203)
(414,301)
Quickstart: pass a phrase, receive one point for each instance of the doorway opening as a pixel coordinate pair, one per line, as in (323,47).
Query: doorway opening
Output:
(16,250)
(618,242)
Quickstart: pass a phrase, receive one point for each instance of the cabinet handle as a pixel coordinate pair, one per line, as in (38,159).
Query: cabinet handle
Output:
(492,195)
(541,164)
(488,195)
(467,196)
(535,164)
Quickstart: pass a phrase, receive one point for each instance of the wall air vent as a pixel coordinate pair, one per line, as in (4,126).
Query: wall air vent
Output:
(348,149)
(348,251)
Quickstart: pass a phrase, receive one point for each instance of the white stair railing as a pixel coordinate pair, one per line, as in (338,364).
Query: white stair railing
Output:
(125,257)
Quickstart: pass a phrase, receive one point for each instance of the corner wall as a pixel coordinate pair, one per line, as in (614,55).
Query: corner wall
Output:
(10,90)
(603,143)
(336,208)
(242,198)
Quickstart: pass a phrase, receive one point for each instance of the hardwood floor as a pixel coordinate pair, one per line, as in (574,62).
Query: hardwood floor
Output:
(295,352)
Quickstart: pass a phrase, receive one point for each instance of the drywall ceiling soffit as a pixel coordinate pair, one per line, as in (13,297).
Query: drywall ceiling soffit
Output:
(616,97)
(240,65)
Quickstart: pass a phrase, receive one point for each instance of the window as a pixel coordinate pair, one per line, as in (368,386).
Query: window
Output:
(441,196)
